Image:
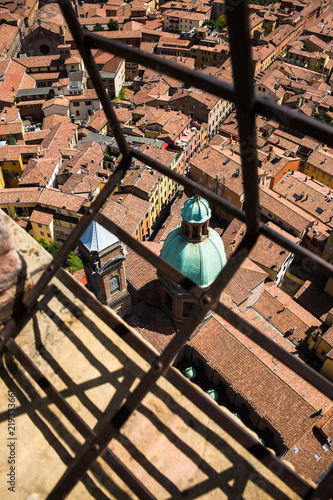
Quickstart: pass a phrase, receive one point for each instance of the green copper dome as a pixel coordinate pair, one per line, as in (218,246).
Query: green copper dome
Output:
(196,210)
(200,261)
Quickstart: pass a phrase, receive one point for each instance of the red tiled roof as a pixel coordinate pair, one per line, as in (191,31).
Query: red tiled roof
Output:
(54,198)
(284,313)
(285,409)
(42,216)
(29,195)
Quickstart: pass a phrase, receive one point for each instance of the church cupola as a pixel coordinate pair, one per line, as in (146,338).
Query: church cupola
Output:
(197,251)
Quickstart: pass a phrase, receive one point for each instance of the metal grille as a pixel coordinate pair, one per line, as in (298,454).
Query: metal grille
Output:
(242,94)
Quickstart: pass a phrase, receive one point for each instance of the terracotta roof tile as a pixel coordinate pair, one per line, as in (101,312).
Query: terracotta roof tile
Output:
(19,195)
(284,313)
(55,198)
(81,184)
(328,337)
(283,405)
(284,209)
(265,252)
(42,216)
(301,191)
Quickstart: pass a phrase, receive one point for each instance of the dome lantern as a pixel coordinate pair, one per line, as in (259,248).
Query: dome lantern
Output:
(196,214)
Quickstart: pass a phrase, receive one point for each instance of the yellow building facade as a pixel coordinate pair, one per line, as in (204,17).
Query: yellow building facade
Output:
(322,346)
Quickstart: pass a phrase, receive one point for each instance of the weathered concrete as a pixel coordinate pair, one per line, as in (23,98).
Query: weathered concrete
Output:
(14,282)
(174,448)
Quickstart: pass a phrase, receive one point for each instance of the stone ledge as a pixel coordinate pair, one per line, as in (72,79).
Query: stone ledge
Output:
(171,445)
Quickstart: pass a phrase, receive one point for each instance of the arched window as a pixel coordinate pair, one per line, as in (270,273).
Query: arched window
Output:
(114,284)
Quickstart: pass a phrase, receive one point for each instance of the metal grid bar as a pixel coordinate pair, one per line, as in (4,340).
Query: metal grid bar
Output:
(315,378)
(246,109)
(80,425)
(240,46)
(248,134)
(262,105)
(199,399)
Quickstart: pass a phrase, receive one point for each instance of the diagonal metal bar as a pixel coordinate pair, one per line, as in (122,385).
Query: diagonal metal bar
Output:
(92,450)
(161,65)
(216,200)
(80,425)
(157,262)
(27,307)
(188,183)
(324,489)
(293,120)
(315,378)
(306,372)
(107,315)
(191,391)
(262,105)
(246,110)
(240,46)
(205,404)
(250,443)
(94,74)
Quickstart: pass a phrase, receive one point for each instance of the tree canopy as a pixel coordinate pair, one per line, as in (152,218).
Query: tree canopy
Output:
(113,25)
(72,262)
(218,25)
(323,116)
(98,27)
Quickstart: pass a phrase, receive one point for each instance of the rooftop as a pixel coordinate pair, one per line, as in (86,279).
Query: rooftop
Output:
(90,357)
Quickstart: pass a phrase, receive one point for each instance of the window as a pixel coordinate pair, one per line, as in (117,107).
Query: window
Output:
(39,225)
(88,103)
(76,104)
(168,301)
(114,284)
(244,411)
(323,353)
(43,234)
(77,113)
(187,306)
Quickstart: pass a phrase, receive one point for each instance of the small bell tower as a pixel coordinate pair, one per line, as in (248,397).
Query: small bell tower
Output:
(103,257)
